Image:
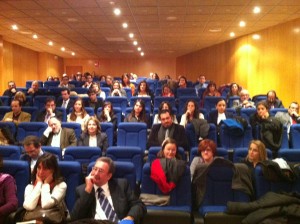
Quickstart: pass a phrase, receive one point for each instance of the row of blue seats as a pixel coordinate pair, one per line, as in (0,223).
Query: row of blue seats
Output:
(218,189)
(135,134)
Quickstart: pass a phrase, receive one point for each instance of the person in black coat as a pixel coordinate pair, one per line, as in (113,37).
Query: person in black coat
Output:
(65,101)
(167,128)
(93,101)
(49,111)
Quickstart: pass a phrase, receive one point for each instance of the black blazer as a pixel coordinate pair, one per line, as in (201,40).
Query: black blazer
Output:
(125,202)
(102,141)
(70,104)
(98,104)
(42,114)
(179,135)
(213,117)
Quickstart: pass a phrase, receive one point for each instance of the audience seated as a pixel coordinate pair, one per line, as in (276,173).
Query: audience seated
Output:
(8,194)
(138,113)
(257,152)
(207,150)
(93,100)
(267,128)
(49,111)
(144,90)
(164,106)
(244,101)
(11,90)
(65,101)
(291,117)
(65,83)
(35,90)
(167,128)
(117,89)
(57,136)
(182,82)
(166,91)
(126,83)
(22,98)
(201,83)
(234,90)
(107,114)
(92,136)
(78,114)
(273,101)
(89,80)
(16,115)
(95,86)
(211,90)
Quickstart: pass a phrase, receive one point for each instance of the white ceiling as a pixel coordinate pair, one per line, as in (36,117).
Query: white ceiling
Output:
(163,28)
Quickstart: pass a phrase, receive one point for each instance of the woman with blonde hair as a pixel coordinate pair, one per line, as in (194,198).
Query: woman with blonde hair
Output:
(22,98)
(256,153)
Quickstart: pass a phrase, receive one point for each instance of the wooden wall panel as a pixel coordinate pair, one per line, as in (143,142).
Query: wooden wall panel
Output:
(116,67)
(271,62)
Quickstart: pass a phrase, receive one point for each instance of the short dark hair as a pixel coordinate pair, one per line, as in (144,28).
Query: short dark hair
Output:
(32,140)
(65,89)
(163,112)
(109,162)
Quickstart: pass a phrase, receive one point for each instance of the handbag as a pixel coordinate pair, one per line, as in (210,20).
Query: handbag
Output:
(56,214)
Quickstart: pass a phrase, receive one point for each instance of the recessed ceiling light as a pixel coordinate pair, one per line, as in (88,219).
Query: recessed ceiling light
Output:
(142,54)
(232,34)
(256,36)
(242,24)
(117,11)
(14,27)
(125,25)
(256,10)
(73,53)
(135,43)
(139,49)
(50,43)
(215,30)
(131,35)
(35,36)
(297,30)
(62,49)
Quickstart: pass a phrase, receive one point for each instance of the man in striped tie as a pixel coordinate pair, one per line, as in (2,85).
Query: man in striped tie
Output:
(105,198)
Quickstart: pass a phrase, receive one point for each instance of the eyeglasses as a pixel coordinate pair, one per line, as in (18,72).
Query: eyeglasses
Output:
(97,169)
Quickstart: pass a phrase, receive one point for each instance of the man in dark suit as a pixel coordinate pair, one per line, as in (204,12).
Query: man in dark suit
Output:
(65,101)
(11,91)
(167,128)
(33,150)
(273,101)
(57,136)
(65,83)
(93,101)
(121,198)
(49,111)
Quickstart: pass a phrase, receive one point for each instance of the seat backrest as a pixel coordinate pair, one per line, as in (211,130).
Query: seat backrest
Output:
(182,100)
(30,128)
(21,172)
(240,153)
(262,185)
(147,101)
(295,136)
(191,135)
(258,98)
(54,150)
(212,133)
(123,170)
(4,110)
(5,100)
(76,83)
(290,155)
(31,110)
(159,99)
(48,84)
(179,196)
(229,140)
(71,171)
(108,128)
(29,82)
(10,152)
(10,125)
(221,152)
(211,101)
(152,153)
(128,92)
(129,154)
(80,90)
(247,112)
(118,101)
(132,134)
(64,113)
(231,99)
(106,90)
(40,101)
(273,111)
(73,125)
(189,91)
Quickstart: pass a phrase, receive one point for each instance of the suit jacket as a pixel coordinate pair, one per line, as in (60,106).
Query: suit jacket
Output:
(70,86)
(60,101)
(101,140)
(24,117)
(40,117)
(98,104)
(67,138)
(125,202)
(179,135)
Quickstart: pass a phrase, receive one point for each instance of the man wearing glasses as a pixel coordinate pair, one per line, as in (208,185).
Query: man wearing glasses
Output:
(105,198)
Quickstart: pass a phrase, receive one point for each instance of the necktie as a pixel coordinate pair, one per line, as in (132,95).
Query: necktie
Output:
(64,104)
(167,133)
(106,207)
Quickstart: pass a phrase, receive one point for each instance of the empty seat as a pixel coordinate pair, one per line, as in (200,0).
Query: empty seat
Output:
(190,91)
(129,154)
(295,136)
(30,128)
(5,100)
(71,171)
(290,155)
(132,134)
(10,152)
(31,110)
